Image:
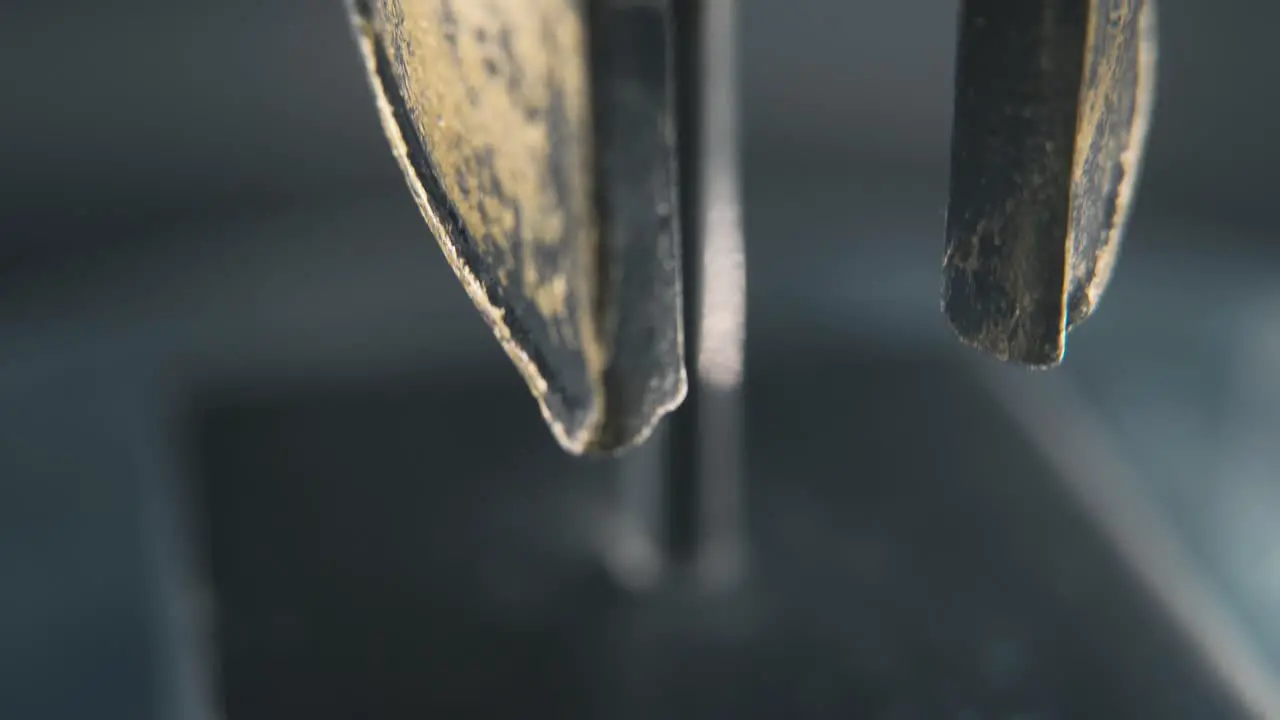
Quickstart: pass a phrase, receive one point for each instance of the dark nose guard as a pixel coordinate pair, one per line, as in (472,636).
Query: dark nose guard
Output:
(537,137)
(1053,99)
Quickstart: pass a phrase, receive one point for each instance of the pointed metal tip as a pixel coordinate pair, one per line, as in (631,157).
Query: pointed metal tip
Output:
(1052,106)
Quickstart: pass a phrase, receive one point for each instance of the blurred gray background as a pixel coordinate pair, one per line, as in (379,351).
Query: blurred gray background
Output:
(259,458)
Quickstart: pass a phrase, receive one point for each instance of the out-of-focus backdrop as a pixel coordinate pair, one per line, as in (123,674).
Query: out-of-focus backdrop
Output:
(259,458)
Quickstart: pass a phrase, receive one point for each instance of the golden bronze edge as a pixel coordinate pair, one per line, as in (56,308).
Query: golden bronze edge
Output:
(574,443)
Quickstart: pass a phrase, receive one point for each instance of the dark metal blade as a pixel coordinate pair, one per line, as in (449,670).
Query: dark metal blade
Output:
(1053,99)
(537,138)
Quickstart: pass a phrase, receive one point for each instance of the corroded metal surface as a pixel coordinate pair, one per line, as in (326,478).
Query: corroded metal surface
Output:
(1053,100)
(490,109)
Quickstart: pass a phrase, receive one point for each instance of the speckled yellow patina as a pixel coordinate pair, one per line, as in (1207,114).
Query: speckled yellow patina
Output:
(498,90)
(1116,100)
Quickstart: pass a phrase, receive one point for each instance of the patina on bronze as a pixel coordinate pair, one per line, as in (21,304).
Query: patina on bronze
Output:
(537,137)
(1053,99)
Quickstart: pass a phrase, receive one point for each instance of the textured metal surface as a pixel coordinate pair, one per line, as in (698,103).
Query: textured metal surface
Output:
(1053,100)
(517,167)
(639,262)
